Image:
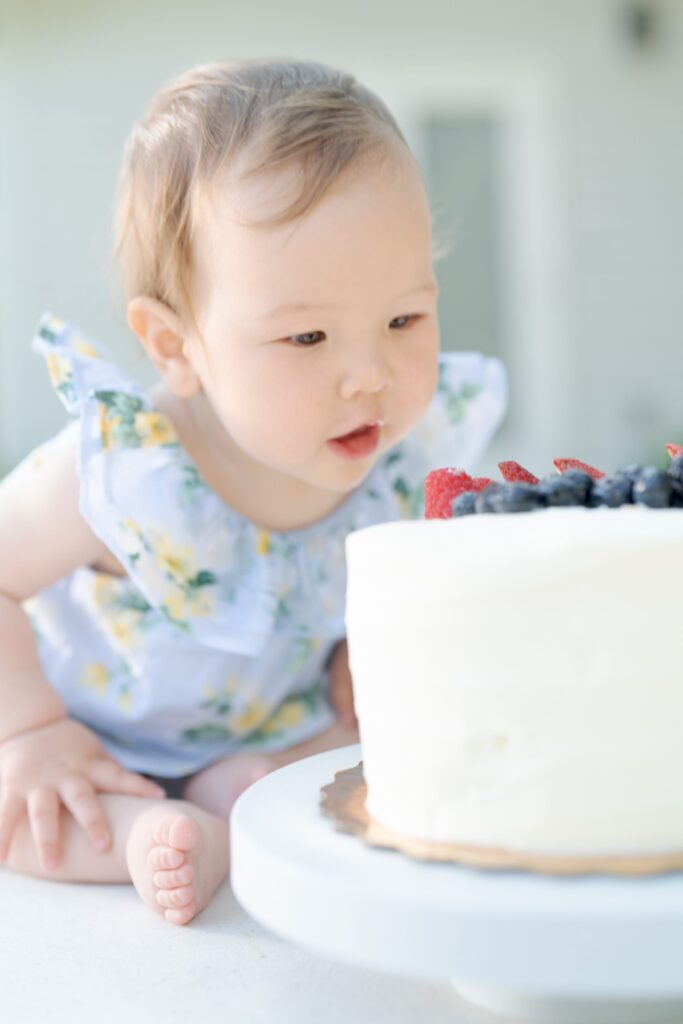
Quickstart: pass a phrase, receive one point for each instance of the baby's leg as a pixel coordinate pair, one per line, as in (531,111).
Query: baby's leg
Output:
(176,854)
(217,787)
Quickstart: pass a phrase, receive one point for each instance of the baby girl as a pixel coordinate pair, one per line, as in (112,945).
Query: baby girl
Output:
(172,574)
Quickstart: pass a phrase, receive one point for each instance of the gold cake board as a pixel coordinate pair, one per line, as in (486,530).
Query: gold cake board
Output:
(343,801)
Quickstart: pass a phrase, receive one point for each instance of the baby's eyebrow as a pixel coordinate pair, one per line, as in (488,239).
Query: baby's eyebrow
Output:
(298,307)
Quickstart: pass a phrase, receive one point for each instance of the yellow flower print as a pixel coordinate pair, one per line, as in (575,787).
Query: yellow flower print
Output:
(286,717)
(59,369)
(175,559)
(154,428)
(201,605)
(103,590)
(108,425)
(95,676)
(262,542)
(220,701)
(85,348)
(54,324)
(254,714)
(182,604)
(132,527)
(174,603)
(122,630)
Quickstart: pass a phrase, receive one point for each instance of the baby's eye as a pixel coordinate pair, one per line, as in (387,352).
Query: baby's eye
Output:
(404,321)
(308,339)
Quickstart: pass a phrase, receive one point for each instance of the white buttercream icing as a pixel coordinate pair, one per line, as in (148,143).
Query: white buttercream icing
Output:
(518,678)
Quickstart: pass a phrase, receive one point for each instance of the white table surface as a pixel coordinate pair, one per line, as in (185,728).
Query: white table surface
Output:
(71,954)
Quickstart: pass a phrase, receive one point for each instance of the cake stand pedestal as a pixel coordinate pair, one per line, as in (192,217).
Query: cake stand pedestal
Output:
(554,949)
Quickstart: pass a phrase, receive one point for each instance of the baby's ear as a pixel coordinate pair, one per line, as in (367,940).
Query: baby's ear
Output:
(162,335)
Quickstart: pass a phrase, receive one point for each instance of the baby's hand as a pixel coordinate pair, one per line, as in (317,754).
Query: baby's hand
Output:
(341,684)
(60,763)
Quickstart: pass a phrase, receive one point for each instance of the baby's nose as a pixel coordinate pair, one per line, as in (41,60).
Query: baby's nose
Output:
(370,376)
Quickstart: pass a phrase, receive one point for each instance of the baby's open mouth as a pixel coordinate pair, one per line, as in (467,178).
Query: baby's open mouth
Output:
(355,433)
(358,443)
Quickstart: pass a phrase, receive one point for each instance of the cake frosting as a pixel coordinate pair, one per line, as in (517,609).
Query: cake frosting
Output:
(518,681)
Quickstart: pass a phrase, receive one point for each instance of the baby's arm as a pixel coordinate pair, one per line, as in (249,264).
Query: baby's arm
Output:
(43,538)
(44,756)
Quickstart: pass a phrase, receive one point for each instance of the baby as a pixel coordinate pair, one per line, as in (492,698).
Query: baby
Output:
(172,574)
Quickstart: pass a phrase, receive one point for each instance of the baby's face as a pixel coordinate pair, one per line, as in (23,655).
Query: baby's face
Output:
(314,328)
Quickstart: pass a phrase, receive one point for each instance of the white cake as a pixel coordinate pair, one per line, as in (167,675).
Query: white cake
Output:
(519,678)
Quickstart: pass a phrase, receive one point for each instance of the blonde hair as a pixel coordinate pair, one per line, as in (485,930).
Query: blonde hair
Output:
(281,111)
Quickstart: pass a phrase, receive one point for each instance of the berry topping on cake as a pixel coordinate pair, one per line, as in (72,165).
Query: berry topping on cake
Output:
(612,491)
(675,470)
(480,483)
(675,475)
(514,497)
(652,488)
(563,465)
(453,493)
(464,504)
(564,489)
(516,474)
(443,486)
(484,499)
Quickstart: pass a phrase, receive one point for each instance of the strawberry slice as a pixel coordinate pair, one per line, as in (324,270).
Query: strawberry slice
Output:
(516,474)
(562,465)
(442,487)
(479,483)
(674,450)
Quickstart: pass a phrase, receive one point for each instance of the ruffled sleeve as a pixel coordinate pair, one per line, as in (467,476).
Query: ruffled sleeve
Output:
(467,409)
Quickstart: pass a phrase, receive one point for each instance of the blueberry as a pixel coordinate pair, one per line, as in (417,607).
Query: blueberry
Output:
(612,491)
(675,474)
(484,499)
(555,490)
(463,505)
(631,472)
(517,497)
(581,483)
(675,471)
(652,488)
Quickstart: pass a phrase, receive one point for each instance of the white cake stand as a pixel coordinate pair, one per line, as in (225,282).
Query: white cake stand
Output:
(553,949)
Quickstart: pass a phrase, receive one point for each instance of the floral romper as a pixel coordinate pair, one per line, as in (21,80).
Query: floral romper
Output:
(218,638)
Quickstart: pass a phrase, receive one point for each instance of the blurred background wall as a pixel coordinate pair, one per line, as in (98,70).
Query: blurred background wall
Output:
(550,135)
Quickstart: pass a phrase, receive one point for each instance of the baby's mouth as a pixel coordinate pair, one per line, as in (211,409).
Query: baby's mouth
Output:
(359,442)
(363,429)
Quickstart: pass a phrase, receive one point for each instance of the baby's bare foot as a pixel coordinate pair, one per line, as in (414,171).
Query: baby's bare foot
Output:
(177,858)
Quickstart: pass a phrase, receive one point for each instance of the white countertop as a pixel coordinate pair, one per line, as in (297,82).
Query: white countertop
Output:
(71,954)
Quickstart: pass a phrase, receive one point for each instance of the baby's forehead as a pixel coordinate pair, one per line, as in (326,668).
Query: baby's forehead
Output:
(264,198)
(372,213)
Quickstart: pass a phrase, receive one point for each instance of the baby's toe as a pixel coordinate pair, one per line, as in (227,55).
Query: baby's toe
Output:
(162,857)
(177,830)
(175,897)
(182,915)
(171,879)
